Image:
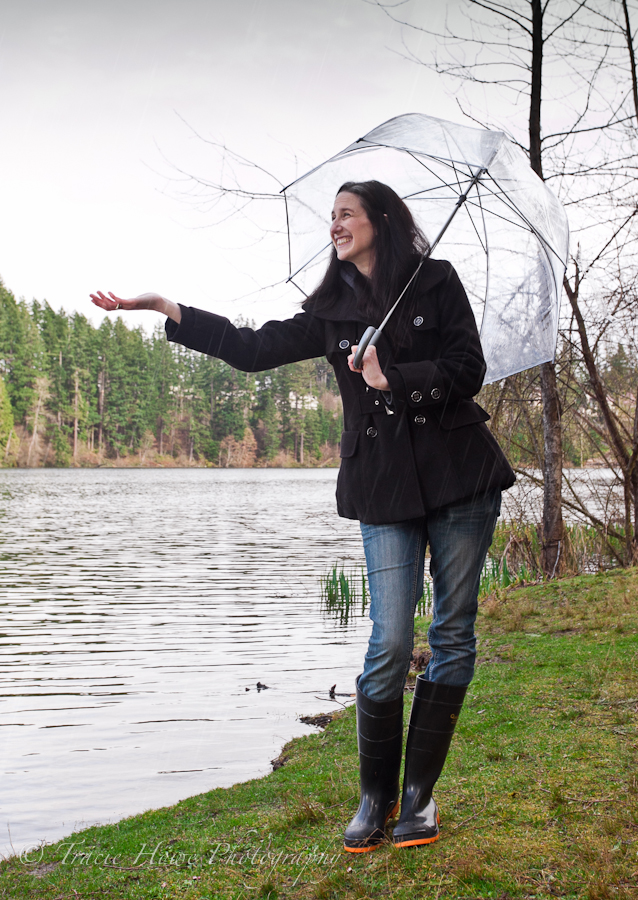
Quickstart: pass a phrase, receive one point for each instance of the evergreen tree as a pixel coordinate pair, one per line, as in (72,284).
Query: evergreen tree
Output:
(71,389)
(6,422)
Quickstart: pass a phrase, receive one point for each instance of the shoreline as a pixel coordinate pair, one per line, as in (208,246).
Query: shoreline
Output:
(538,797)
(123,464)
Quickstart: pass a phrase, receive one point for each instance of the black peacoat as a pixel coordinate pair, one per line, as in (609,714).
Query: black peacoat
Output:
(402,455)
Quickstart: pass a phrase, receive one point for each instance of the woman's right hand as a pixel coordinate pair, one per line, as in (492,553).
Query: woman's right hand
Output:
(152,301)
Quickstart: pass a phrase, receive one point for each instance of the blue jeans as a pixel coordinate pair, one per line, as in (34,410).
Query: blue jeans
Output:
(459,536)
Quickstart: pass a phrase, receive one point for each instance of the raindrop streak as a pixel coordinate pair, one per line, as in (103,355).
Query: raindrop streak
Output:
(140,609)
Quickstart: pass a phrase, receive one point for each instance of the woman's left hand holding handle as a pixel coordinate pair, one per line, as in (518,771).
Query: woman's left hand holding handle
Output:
(371,370)
(110,302)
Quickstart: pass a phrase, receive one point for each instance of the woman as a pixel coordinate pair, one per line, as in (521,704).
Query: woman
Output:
(418,467)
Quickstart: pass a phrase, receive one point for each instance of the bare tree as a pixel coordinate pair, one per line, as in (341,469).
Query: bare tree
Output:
(616,437)
(584,149)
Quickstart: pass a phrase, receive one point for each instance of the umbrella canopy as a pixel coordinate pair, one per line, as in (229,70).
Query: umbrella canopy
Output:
(508,239)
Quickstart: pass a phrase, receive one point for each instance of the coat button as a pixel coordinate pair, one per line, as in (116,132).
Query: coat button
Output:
(376,402)
(420,420)
(344,344)
(371,432)
(435,393)
(418,321)
(417,396)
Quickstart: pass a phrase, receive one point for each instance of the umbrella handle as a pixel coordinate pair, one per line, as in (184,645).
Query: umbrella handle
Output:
(369,339)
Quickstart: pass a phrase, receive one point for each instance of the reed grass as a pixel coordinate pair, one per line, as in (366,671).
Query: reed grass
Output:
(514,558)
(342,591)
(585,549)
(345,594)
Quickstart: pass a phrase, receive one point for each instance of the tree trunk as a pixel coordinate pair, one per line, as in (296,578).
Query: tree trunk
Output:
(632,57)
(535,147)
(101,381)
(75,416)
(553,529)
(552,432)
(7,448)
(633,475)
(35,430)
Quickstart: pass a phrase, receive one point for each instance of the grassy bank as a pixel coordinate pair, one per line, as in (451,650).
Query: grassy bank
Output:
(539,797)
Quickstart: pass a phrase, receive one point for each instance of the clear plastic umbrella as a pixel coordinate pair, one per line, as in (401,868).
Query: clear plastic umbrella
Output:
(478,202)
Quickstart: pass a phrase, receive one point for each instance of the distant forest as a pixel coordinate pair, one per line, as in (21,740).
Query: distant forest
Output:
(73,394)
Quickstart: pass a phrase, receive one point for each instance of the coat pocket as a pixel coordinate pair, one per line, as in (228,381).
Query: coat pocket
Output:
(467,412)
(349,444)
(425,319)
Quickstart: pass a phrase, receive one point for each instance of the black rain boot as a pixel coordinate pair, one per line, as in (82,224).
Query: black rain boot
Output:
(380,739)
(435,711)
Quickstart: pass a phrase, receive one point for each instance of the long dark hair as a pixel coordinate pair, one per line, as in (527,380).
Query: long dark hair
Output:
(398,244)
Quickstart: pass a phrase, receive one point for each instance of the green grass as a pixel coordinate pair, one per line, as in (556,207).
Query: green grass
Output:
(584,548)
(497,575)
(539,798)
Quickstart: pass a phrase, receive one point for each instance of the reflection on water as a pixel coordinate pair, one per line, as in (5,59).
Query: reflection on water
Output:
(140,608)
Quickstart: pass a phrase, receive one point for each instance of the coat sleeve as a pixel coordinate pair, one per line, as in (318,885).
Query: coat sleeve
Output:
(458,371)
(272,345)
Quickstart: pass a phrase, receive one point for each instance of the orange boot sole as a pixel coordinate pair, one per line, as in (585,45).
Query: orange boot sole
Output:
(379,843)
(419,842)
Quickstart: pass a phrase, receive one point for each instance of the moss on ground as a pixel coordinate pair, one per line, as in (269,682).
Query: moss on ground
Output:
(539,797)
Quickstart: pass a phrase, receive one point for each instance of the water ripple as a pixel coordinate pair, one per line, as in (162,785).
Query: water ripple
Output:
(139,610)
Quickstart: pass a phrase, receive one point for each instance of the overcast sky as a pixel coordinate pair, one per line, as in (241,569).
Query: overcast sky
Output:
(92,98)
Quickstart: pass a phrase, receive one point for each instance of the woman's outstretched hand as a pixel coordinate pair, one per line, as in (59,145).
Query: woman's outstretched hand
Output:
(371,369)
(156,302)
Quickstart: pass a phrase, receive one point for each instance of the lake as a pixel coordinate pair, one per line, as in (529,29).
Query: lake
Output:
(140,608)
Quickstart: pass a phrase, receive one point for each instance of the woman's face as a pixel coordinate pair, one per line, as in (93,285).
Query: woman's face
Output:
(352,232)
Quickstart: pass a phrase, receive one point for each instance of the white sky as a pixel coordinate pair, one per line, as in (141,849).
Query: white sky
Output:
(90,98)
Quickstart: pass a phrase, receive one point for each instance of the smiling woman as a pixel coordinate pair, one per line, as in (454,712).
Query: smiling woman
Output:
(385,246)
(352,232)
(418,467)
